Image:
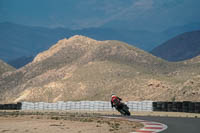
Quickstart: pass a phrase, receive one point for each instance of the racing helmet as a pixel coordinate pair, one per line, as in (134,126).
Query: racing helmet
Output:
(113,95)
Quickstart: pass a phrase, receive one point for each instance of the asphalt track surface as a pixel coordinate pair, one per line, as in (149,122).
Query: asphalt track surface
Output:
(175,125)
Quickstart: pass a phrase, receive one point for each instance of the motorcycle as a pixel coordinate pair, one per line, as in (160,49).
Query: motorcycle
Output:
(123,109)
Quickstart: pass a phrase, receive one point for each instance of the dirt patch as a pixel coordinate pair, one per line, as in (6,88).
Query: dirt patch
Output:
(37,122)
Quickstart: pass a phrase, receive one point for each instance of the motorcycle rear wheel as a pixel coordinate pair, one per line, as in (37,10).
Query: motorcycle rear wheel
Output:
(126,112)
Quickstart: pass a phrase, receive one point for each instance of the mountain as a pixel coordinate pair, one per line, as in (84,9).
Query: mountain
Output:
(179,48)
(80,68)
(5,67)
(177,30)
(23,40)
(28,41)
(142,39)
(150,15)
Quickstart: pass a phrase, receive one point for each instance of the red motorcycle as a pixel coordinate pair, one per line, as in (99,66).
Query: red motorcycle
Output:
(121,107)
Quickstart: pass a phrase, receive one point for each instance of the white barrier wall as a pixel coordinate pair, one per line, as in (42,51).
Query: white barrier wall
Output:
(86,106)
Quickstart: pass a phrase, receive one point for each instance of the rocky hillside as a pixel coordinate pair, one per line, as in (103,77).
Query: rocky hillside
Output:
(80,68)
(5,67)
(179,48)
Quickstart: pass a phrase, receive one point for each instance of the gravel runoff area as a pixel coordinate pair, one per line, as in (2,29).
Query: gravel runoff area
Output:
(62,122)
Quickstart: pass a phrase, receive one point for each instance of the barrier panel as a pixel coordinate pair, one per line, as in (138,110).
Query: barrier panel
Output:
(185,106)
(179,107)
(191,107)
(169,106)
(164,106)
(197,107)
(159,106)
(10,106)
(86,106)
(174,107)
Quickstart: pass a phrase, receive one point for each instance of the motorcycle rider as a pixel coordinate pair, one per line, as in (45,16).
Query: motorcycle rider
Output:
(120,106)
(115,101)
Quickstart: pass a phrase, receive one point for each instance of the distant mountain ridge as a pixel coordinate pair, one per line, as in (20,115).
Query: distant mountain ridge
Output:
(25,41)
(81,68)
(177,30)
(179,48)
(151,15)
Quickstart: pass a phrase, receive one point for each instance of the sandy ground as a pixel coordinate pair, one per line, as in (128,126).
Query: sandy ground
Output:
(49,126)
(53,124)
(72,122)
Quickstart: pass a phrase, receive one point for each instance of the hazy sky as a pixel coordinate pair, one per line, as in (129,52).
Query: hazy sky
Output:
(139,14)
